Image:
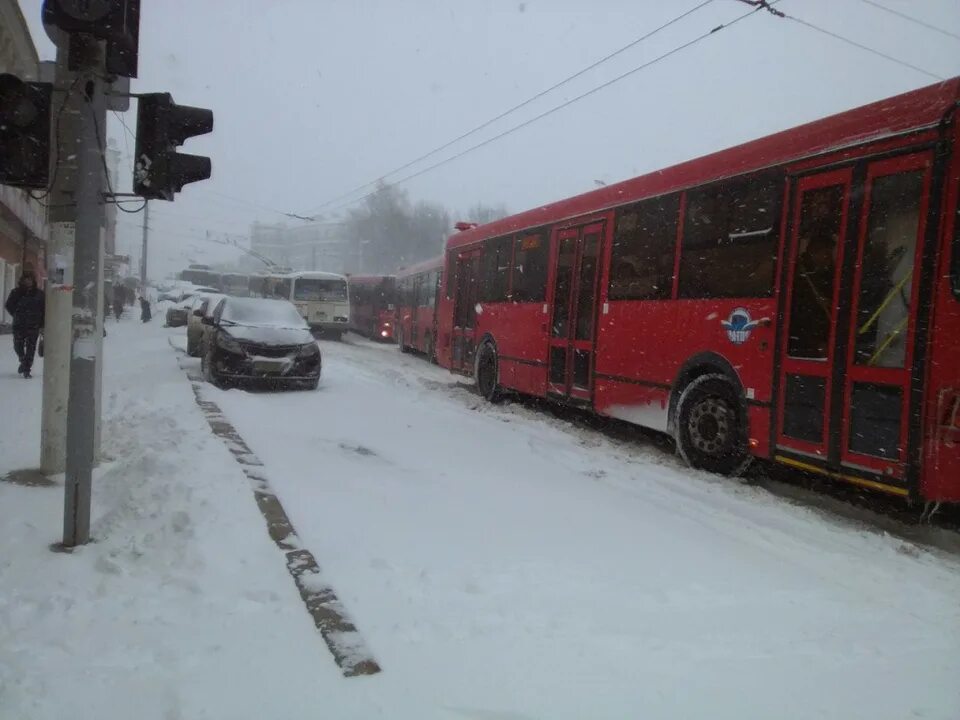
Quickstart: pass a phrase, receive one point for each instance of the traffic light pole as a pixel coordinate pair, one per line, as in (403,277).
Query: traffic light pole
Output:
(83,401)
(143,250)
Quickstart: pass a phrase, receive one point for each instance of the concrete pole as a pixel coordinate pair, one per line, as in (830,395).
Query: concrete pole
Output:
(59,293)
(87,321)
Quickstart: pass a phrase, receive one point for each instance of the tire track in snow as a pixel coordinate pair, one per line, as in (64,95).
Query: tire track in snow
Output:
(329,614)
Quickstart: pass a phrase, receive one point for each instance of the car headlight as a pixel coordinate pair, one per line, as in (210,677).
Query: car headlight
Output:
(228,343)
(309,350)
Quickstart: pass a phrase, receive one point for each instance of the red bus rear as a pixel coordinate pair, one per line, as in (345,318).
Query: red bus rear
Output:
(373,305)
(795,298)
(417,288)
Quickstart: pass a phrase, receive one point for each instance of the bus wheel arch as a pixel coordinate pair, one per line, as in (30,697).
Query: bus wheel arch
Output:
(486,369)
(708,415)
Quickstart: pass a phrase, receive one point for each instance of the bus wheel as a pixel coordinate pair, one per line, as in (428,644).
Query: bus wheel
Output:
(709,427)
(487,373)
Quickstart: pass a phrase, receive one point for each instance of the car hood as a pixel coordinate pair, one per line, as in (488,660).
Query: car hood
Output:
(269,334)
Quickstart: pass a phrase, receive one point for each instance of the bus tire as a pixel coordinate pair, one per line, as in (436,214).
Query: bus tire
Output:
(486,372)
(336,335)
(710,426)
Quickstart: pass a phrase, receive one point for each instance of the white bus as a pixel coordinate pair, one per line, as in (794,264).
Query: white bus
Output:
(322,300)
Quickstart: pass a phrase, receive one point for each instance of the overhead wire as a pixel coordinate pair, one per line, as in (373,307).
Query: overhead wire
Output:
(511,110)
(912,19)
(564,104)
(863,47)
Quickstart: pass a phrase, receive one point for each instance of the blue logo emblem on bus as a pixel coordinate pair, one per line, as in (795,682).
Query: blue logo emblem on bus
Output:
(739,326)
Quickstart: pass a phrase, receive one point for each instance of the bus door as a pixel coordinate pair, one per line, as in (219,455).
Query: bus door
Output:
(853,291)
(416,293)
(465,310)
(573,312)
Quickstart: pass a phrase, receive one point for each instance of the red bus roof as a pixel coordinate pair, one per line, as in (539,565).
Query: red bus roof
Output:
(425,266)
(912,110)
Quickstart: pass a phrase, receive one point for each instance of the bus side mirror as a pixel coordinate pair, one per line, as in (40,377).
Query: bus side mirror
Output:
(206,321)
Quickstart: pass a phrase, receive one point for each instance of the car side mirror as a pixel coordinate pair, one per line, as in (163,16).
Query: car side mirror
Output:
(206,321)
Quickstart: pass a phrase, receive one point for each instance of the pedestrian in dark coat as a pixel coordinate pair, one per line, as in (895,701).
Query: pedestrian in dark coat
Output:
(27,307)
(144,309)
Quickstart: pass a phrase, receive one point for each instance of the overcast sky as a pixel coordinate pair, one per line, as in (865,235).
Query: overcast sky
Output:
(314,98)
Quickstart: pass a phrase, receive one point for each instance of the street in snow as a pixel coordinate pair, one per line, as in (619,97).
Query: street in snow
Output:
(497,563)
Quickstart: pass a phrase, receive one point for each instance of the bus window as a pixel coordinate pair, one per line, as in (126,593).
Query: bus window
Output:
(730,239)
(530,261)
(495,269)
(883,309)
(811,306)
(644,247)
(320,289)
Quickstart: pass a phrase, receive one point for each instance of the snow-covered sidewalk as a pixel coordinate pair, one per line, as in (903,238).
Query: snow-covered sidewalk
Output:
(183,608)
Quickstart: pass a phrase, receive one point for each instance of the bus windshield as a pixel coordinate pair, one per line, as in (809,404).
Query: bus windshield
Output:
(319,289)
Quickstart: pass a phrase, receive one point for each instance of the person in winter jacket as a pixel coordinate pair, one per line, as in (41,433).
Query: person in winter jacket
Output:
(26,305)
(145,314)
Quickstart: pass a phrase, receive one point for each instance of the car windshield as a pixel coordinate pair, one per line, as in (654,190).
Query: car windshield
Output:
(319,289)
(261,312)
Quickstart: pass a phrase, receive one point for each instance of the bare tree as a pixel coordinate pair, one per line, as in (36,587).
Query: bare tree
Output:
(481,213)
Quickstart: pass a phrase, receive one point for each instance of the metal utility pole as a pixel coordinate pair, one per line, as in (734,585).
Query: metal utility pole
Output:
(83,402)
(143,251)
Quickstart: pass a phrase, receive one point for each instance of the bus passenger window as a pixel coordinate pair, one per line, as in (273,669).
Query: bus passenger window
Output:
(886,282)
(644,247)
(495,269)
(730,239)
(530,268)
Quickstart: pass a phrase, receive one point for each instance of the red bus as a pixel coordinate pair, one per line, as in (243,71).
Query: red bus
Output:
(373,305)
(795,298)
(417,288)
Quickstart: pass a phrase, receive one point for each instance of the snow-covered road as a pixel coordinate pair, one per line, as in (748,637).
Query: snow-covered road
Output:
(499,564)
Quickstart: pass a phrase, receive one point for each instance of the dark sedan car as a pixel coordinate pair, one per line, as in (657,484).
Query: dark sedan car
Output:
(253,339)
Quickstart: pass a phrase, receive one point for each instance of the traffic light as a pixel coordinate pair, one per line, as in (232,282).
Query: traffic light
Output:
(24,132)
(115,21)
(162,126)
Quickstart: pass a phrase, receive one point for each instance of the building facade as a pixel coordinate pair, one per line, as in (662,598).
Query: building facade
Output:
(317,246)
(23,222)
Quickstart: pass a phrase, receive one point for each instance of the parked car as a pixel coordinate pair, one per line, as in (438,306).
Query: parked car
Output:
(202,306)
(177,314)
(260,339)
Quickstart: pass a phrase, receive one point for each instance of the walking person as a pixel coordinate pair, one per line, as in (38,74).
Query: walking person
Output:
(144,309)
(27,306)
(118,302)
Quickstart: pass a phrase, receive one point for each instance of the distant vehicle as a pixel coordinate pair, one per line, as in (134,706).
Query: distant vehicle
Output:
(200,275)
(794,298)
(269,285)
(236,284)
(417,289)
(179,312)
(323,301)
(201,307)
(253,339)
(373,305)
